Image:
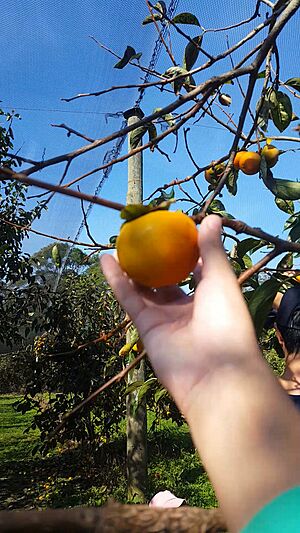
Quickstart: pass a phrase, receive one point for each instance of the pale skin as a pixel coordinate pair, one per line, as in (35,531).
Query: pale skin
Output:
(204,351)
(290,379)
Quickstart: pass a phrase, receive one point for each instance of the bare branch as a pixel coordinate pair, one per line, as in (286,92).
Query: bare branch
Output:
(7,173)
(70,130)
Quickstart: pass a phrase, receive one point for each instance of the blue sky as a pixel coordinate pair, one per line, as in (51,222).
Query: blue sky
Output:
(48,54)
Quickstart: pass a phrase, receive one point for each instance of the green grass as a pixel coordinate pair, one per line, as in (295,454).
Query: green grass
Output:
(14,444)
(71,477)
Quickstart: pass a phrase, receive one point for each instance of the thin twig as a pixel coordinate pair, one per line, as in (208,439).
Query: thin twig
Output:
(86,222)
(74,132)
(55,238)
(160,34)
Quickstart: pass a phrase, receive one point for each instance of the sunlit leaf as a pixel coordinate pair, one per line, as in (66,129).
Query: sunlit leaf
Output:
(284,189)
(176,71)
(136,136)
(281,109)
(293,82)
(285,205)
(161,6)
(56,256)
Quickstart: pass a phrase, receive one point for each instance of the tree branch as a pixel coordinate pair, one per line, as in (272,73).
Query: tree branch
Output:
(6,173)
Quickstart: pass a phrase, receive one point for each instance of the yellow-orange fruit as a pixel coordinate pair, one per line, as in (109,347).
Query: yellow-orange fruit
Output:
(271,154)
(247,162)
(159,248)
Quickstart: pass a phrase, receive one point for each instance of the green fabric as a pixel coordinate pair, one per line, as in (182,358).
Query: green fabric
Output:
(281,515)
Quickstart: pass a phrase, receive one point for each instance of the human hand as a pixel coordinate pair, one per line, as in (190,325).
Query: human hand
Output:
(189,337)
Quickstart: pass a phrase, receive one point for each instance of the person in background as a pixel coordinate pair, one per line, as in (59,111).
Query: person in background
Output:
(287,325)
(165,498)
(203,349)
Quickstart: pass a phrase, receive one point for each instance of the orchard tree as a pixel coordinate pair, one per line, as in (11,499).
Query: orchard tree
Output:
(195,91)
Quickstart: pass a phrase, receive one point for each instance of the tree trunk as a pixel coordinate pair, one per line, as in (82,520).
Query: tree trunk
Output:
(136,413)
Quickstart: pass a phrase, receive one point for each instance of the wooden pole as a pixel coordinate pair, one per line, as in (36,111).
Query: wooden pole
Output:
(136,430)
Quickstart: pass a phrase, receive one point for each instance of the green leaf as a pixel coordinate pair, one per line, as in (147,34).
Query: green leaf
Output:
(286,262)
(133,386)
(168,195)
(261,302)
(281,109)
(161,6)
(113,239)
(160,393)
(168,117)
(189,84)
(284,189)
(263,110)
(191,52)
(149,18)
(291,221)
(186,18)
(176,71)
(287,206)
(231,182)
(294,234)
(56,256)
(248,245)
(293,82)
(136,136)
(145,388)
(129,54)
(261,74)
(152,132)
(132,211)
(216,206)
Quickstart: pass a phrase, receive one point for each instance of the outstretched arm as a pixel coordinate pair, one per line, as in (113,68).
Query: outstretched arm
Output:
(203,349)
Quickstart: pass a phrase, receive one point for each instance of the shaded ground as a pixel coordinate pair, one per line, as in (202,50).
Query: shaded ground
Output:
(69,477)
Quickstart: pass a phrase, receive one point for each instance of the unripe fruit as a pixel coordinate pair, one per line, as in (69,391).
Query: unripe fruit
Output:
(271,154)
(214,173)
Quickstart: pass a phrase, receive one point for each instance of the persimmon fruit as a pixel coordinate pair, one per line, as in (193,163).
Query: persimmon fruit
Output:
(247,162)
(159,248)
(271,154)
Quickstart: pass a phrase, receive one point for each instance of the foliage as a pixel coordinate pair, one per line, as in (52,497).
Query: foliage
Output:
(69,476)
(77,313)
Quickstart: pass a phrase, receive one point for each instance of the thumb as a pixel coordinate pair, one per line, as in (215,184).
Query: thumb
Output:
(212,253)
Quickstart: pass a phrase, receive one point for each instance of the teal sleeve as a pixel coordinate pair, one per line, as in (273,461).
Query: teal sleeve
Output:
(281,515)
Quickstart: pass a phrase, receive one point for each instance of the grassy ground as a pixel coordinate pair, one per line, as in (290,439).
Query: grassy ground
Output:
(69,477)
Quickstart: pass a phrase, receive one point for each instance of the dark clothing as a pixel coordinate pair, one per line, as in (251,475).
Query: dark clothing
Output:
(295,399)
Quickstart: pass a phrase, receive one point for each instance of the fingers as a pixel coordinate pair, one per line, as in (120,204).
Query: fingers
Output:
(215,262)
(124,290)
